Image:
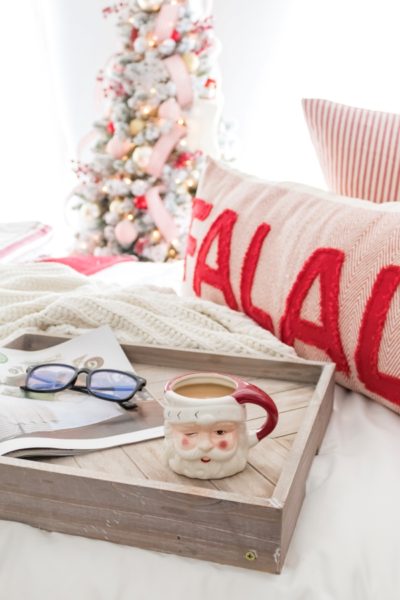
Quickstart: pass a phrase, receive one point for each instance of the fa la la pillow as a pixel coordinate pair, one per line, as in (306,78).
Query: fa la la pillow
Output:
(320,271)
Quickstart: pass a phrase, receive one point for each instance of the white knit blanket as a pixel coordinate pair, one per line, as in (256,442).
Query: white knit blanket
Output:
(48,297)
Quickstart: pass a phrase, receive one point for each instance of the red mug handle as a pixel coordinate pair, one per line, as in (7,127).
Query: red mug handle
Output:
(253,395)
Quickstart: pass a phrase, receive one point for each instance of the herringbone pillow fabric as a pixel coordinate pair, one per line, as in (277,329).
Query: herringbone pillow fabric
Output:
(358,149)
(320,271)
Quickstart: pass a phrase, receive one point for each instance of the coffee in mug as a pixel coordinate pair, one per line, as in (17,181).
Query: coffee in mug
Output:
(206,435)
(204,390)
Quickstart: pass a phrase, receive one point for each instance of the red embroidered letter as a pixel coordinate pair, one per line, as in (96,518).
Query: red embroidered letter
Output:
(325,263)
(248,273)
(219,278)
(200,210)
(370,337)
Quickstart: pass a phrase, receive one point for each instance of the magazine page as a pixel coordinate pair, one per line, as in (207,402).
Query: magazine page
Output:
(70,420)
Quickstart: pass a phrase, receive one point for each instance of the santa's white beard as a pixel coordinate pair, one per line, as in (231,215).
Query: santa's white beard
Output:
(221,464)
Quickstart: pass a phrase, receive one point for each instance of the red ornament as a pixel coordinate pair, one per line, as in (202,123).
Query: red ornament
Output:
(210,83)
(139,246)
(110,128)
(183,159)
(134,34)
(176,36)
(140,202)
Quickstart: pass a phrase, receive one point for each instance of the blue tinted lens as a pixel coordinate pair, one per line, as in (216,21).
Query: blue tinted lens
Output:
(112,385)
(49,378)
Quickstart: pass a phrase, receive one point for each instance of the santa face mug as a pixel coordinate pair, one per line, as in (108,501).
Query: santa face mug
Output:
(206,435)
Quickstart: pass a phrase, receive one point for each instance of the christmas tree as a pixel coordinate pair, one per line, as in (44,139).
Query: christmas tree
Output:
(161,117)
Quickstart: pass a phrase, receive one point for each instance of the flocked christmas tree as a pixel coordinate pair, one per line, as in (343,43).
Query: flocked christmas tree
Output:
(161,118)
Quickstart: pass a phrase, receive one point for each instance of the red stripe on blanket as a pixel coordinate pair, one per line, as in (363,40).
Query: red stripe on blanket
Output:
(88,265)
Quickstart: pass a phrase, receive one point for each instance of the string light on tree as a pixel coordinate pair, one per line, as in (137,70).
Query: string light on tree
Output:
(135,192)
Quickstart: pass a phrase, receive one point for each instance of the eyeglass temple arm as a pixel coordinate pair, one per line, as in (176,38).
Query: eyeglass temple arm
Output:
(79,388)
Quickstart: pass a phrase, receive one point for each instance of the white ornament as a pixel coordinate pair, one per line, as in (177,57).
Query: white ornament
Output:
(130,167)
(139,187)
(90,212)
(140,45)
(141,156)
(157,253)
(139,139)
(152,133)
(111,218)
(187,44)
(149,5)
(126,205)
(166,47)
(118,187)
(109,233)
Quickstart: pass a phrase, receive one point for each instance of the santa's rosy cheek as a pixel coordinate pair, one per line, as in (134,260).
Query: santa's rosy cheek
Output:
(185,442)
(222,445)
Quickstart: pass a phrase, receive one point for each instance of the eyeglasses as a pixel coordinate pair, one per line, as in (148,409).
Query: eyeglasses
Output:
(108,384)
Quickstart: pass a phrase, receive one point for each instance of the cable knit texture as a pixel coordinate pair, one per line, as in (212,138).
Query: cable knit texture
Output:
(53,298)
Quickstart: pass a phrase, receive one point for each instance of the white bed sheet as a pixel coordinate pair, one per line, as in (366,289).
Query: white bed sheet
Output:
(346,544)
(168,274)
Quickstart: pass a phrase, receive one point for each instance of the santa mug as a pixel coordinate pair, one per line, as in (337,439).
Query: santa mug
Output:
(206,435)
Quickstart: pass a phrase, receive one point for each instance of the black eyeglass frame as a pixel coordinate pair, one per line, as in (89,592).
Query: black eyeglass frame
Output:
(85,389)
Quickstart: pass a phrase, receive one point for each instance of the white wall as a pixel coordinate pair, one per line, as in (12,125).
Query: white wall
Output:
(277,51)
(32,153)
(274,52)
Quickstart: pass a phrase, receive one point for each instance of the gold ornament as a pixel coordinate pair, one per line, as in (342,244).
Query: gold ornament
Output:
(155,236)
(150,5)
(191,184)
(191,61)
(136,126)
(172,253)
(151,40)
(147,111)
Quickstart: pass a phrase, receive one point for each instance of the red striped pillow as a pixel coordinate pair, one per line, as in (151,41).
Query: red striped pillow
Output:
(359,149)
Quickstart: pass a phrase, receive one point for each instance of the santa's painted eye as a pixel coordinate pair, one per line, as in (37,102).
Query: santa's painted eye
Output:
(190,433)
(220,432)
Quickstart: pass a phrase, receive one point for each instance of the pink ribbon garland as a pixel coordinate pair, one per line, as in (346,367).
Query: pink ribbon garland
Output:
(170,109)
(166,21)
(180,76)
(161,217)
(163,148)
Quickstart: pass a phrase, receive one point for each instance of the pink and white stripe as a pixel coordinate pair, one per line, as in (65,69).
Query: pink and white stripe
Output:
(359,149)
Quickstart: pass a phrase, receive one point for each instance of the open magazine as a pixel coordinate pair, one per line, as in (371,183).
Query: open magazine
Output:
(68,422)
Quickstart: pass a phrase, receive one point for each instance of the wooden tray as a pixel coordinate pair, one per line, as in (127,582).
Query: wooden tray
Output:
(127,495)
